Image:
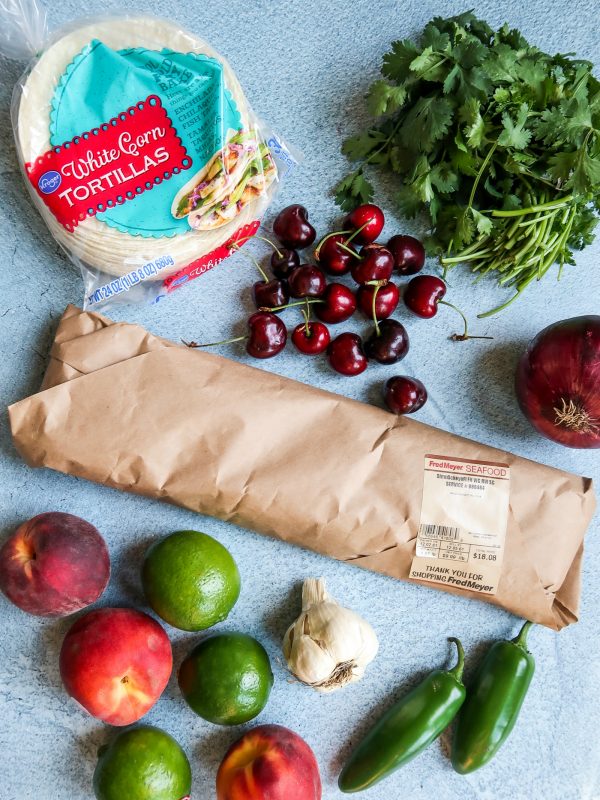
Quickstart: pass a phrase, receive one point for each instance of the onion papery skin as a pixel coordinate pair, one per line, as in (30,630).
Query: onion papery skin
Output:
(558,382)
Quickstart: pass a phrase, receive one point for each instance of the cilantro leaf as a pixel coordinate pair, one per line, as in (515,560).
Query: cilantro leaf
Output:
(514,133)
(470,53)
(513,38)
(467,110)
(451,79)
(500,64)
(408,202)
(435,39)
(353,190)
(360,147)
(429,65)
(549,128)
(396,63)
(444,178)
(483,224)
(426,122)
(475,128)
(382,98)
(586,174)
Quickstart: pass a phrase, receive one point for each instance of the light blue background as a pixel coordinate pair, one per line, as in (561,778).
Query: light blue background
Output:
(305,67)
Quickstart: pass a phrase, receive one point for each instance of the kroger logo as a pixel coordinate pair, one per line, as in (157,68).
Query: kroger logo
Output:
(49,181)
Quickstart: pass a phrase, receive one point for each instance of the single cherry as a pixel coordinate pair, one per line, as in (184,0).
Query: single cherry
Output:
(268,335)
(269,294)
(376,264)
(370,218)
(339,304)
(404,395)
(307,281)
(423,295)
(346,354)
(293,229)
(335,255)
(408,254)
(385,302)
(388,343)
(311,338)
(283,262)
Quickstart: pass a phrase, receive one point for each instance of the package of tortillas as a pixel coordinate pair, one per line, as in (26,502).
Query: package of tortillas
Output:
(139,149)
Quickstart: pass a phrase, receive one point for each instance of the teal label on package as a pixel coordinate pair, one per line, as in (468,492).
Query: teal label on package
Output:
(100,83)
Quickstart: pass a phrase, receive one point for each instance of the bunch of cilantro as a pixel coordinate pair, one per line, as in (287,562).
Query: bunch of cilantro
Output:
(498,141)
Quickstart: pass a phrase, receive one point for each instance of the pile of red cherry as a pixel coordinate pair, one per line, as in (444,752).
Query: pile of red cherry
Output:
(377,297)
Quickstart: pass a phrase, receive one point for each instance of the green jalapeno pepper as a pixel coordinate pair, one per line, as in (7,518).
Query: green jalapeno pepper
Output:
(493,703)
(407,728)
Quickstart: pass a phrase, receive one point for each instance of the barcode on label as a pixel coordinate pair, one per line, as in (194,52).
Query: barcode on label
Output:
(439,531)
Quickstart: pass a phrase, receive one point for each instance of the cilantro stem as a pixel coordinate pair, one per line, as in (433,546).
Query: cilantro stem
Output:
(538,219)
(378,150)
(519,212)
(504,305)
(464,257)
(482,169)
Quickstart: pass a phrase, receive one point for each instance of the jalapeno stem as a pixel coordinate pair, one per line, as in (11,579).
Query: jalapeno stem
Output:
(521,638)
(457,671)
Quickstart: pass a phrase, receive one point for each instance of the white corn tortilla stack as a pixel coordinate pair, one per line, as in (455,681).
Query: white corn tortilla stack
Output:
(95,243)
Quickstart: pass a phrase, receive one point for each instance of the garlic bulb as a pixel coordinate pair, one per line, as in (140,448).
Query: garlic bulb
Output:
(328,646)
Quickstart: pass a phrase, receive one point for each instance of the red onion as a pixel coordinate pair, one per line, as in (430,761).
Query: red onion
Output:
(558,382)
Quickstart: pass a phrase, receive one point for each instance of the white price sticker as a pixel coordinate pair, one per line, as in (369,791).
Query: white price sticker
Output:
(464,516)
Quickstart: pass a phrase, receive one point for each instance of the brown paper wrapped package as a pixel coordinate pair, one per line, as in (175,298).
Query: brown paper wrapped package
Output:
(124,408)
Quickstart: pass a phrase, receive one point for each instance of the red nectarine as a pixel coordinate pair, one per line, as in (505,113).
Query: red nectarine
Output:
(54,564)
(116,663)
(269,762)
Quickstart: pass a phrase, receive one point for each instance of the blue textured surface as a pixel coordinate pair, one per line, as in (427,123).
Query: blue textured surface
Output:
(305,68)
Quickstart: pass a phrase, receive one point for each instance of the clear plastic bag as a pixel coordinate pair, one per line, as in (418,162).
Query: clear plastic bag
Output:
(139,149)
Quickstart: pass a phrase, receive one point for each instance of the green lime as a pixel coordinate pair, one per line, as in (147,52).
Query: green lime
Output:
(227,678)
(190,580)
(142,763)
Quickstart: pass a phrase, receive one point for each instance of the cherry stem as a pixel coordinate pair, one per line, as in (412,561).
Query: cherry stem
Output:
(341,244)
(263,239)
(306,315)
(324,239)
(215,344)
(358,230)
(461,337)
(349,250)
(375,320)
(264,275)
(291,305)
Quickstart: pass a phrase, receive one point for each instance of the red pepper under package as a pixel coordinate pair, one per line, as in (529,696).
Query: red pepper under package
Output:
(373,497)
(139,149)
